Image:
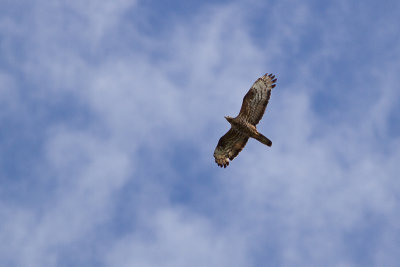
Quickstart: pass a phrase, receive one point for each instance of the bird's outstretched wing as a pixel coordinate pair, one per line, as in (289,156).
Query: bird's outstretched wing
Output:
(229,147)
(256,99)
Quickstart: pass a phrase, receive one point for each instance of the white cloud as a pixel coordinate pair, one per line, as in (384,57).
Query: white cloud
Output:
(175,237)
(85,172)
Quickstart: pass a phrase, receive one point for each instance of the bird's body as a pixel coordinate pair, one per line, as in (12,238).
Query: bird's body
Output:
(238,124)
(243,126)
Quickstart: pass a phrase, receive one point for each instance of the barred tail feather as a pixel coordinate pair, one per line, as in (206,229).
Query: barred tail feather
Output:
(263,139)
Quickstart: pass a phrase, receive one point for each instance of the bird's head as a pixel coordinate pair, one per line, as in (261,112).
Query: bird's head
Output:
(229,119)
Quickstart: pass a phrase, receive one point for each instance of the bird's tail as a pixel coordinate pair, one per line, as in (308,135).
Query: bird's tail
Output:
(263,139)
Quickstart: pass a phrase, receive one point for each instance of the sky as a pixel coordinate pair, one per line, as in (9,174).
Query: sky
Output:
(110,112)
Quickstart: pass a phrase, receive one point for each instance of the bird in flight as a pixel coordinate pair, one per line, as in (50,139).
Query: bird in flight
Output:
(244,125)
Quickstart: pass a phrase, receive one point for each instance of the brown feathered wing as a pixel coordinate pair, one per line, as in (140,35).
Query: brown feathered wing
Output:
(256,99)
(229,147)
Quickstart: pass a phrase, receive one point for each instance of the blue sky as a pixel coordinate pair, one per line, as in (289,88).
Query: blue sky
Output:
(110,113)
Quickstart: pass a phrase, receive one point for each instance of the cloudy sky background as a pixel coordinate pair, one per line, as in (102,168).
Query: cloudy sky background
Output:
(110,112)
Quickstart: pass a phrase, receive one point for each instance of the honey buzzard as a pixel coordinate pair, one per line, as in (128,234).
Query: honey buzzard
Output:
(244,125)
